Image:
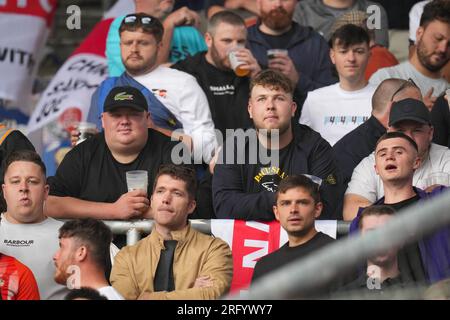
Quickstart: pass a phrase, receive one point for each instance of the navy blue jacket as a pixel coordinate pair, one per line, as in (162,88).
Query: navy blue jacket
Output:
(161,116)
(237,195)
(308,50)
(356,145)
(434,249)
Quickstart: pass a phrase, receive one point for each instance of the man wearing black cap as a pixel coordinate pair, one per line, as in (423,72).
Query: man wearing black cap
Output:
(411,117)
(90,181)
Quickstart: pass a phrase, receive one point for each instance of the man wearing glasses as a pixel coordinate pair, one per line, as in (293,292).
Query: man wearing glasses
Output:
(430,56)
(175,99)
(412,118)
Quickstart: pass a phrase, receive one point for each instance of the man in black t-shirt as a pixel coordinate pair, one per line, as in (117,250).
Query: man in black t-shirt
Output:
(396,159)
(91,180)
(252,164)
(227,93)
(297,207)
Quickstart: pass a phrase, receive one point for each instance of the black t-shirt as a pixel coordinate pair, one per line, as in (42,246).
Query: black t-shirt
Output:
(286,254)
(227,93)
(409,258)
(280,41)
(90,172)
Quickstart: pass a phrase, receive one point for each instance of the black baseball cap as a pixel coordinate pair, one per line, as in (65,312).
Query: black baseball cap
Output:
(120,97)
(409,109)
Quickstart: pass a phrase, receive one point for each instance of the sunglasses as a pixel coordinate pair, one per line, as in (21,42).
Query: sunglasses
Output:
(314,179)
(405,84)
(136,20)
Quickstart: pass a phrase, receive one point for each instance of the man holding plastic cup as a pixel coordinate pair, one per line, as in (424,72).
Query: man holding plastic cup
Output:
(91,180)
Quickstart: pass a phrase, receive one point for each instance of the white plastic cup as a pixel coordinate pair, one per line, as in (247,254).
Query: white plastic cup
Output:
(271,53)
(137,179)
(87,130)
(236,64)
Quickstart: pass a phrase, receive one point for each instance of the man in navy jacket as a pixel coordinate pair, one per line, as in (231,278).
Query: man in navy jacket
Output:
(308,63)
(245,180)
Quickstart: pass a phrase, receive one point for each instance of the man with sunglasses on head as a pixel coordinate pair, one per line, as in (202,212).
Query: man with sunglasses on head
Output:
(181,37)
(431,54)
(174,98)
(411,117)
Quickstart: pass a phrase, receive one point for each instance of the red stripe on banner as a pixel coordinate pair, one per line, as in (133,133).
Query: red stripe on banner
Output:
(39,8)
(95,42)
(250,243)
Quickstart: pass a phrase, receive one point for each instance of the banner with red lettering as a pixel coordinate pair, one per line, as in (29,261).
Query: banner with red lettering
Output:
(250,240)
(24,28)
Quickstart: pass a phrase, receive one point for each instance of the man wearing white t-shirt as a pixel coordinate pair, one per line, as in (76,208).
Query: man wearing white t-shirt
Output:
(430,55)
(82,258)
(411,117)
(25,232)
(179,93)
(335,110)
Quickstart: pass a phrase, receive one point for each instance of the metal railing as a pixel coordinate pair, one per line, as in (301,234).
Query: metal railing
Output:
(301,276)
(136,228)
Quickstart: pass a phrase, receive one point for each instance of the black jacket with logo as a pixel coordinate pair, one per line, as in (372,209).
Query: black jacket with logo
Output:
(239,194)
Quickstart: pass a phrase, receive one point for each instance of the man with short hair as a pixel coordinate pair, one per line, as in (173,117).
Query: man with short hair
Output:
(397,157)
(430,55)
(90,181)
(297,206)
(181,37)
(411,117)
(174,261)
(307,64)
(25,232)
(244,185)
(227,92)
(381,272)
(360,142)
(174,98)
(339,108)
(83,254)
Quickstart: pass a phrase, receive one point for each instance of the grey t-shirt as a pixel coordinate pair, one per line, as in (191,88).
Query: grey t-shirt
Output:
(34,245)
(406,70)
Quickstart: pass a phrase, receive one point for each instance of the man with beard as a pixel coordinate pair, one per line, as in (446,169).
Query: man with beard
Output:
(174,98)
(297,206)
(83,256)
(227,93)
(431,54)
(247,176)
(307,63)
(181,37)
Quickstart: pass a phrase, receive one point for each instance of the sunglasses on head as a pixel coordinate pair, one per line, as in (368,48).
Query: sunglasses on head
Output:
(133,19)
(403,86)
